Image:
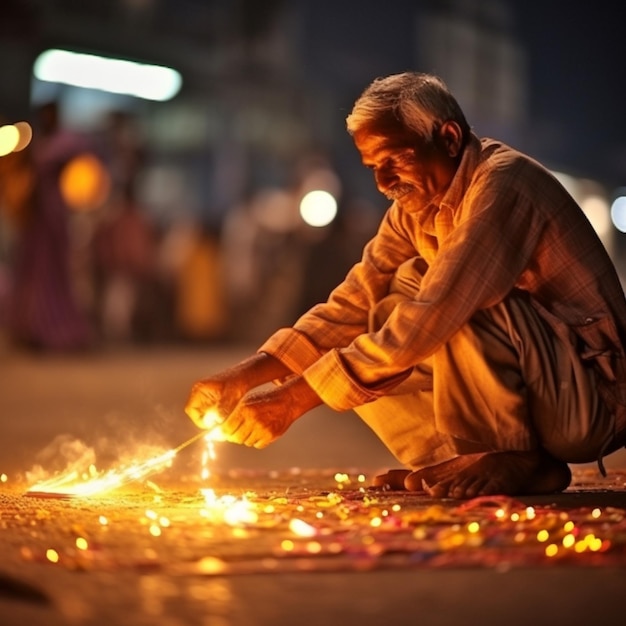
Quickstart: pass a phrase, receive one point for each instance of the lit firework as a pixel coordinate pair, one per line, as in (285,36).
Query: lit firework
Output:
(74,484)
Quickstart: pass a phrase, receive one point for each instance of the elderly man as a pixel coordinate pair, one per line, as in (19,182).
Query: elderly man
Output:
(482,334)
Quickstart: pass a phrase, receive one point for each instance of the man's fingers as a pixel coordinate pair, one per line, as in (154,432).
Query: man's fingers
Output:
(199,417)
(195,415)
(235,430)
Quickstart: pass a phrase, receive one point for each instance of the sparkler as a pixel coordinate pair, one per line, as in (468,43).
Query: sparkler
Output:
(71,485)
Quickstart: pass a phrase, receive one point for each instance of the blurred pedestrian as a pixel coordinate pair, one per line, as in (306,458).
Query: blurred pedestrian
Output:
(45,312)
(125,251)
(200,312)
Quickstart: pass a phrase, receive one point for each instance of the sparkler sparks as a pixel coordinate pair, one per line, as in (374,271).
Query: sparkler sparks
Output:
(73,485)
(226,509)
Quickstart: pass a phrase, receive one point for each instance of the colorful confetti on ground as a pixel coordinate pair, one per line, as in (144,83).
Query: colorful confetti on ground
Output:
(310,521)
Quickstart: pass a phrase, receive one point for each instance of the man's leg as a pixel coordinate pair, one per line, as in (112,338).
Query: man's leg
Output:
(526,394)
(467,402)
(405,424)
(405,421)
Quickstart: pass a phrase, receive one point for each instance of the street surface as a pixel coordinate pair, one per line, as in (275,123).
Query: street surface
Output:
(288,535)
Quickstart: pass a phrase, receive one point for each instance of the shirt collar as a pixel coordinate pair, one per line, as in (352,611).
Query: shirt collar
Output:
(463,176)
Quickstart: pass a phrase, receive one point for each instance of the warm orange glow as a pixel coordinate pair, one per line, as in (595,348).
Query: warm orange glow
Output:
(52,555)
(26,134)
(155,530)
(81,543)
(85,183)
(552,550)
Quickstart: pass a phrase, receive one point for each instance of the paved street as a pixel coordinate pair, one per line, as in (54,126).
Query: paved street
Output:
(154,555)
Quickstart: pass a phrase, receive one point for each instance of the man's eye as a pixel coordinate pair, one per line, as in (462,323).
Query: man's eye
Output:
(404,158)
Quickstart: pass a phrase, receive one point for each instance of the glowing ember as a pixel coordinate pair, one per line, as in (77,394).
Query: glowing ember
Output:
(297,528)
(82,543)
(301,528)
(52,555)
(228,509)
(225,509)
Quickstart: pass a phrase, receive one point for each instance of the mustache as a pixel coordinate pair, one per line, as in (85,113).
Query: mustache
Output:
(395,193)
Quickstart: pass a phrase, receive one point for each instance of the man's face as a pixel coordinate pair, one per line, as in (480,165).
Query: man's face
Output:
(404,163)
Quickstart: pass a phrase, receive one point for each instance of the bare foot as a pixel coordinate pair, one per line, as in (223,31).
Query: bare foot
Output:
(493,473)
(392,480)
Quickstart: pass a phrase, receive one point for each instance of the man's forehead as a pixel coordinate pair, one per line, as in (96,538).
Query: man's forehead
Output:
(373,141)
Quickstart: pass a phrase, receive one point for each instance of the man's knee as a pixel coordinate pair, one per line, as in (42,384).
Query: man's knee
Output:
(578,447)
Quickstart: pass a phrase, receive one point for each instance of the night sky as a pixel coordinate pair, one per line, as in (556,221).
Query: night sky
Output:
(576,67)
(576,53)
(577,62)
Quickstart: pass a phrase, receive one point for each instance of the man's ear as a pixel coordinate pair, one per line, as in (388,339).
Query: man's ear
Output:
(452,137)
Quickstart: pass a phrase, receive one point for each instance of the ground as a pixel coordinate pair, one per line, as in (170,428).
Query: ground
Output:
(302,540)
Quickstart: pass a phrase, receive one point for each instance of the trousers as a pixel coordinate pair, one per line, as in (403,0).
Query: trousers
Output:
(503,382)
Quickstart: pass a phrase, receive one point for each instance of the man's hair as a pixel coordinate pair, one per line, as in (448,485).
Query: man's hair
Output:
(419,102)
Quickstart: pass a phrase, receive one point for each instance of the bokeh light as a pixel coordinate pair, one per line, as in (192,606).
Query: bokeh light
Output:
(26,134)
(85,183)
(618,213)
(151,82)
(9,139)
(318,208)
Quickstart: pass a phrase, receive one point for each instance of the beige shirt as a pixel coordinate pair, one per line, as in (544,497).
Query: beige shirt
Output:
(504,224)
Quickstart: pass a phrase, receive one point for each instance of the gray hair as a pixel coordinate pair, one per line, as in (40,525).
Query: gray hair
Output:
(419,102)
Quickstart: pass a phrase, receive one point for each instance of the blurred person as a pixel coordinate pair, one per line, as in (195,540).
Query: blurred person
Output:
(481,335)
(199,305)
(263,253)
(16,196)
(44,310)
(126,246)
(124,149)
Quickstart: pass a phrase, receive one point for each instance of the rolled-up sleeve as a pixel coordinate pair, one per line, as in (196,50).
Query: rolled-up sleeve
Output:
(292,348)
(313,346)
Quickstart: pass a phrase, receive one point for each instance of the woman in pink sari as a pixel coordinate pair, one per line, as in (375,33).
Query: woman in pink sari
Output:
(44,311)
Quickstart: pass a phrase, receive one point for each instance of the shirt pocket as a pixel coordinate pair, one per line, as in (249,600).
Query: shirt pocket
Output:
(600,344)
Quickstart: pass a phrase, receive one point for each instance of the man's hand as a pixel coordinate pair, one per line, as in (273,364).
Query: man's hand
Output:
(214,398)
(263,416)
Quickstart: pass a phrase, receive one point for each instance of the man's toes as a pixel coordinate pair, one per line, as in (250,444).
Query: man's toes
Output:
(438,490)
(471,487)
(414,481)
(393,479)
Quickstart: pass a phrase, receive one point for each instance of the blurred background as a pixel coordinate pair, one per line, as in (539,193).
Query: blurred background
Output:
(179,171)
